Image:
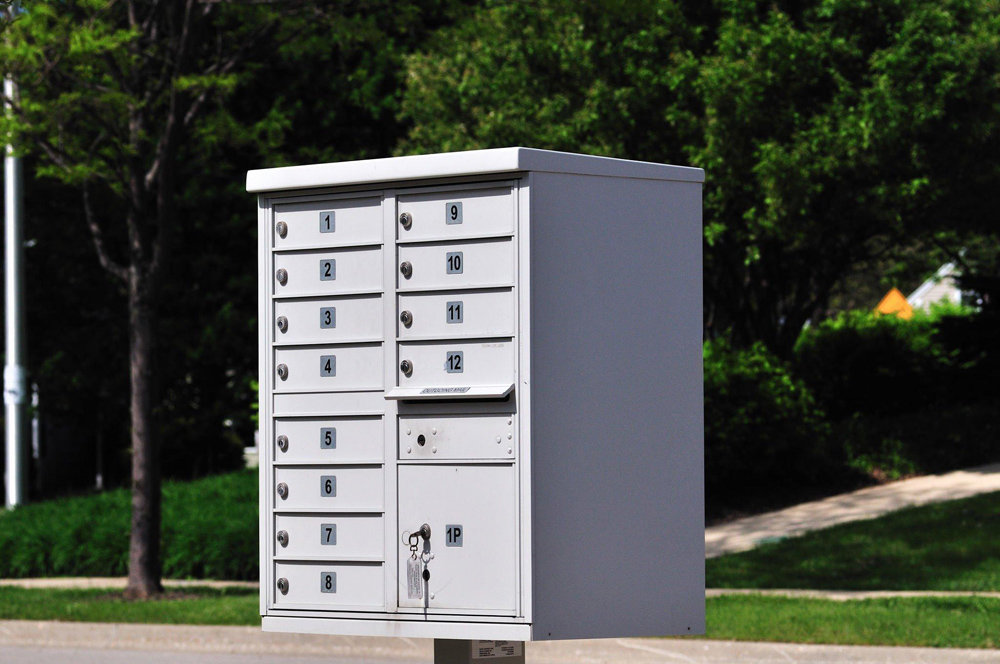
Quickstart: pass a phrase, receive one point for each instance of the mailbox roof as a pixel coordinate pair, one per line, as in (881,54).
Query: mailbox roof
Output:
(456,164)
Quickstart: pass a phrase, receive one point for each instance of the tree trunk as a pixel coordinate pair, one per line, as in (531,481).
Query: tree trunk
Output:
(144,567)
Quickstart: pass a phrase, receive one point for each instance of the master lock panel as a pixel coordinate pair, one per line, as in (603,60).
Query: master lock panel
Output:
(328,320)
(331,223)
(471,512)
(456,363)
(460,214)
(328,440)
(354,488)
(444,437)
(456,314)
(328,585)
(328,368)
(479,264)
(327,272)
(329,537)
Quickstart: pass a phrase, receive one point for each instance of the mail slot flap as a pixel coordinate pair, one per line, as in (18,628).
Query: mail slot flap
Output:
(456,364)
(329,440)
(471,513)
(328,320)
(480,264)
(328,368)
(457,314)
(342,586)
(457,437)
(329,223)
(456,214)
(329,536)
(329,489)
(327,272)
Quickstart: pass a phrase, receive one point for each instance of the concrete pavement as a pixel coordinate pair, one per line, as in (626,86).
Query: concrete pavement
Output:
(28,642)
(745,534)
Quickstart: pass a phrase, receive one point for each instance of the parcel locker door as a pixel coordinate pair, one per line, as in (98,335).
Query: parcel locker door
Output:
(474,538)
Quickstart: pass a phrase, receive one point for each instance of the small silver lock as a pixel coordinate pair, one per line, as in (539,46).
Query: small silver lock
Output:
(406,269)
(282,323)
(283,490)
(406,220)
(283,585)
(283,443)
(406,318)
(282,228)
(282,537)
(406,367)
(282,371)
(282,276)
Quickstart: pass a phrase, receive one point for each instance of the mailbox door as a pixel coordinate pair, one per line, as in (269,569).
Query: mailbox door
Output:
(341,586)
(328,320)
(349,537)
(457,314)
(455,363)
(328,368)
(474,568)
(327,272)
(457,214)
(351,488)
(446,265)
(328,440)
(332,223)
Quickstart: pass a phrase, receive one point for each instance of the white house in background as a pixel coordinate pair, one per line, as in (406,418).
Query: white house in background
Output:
(942,287)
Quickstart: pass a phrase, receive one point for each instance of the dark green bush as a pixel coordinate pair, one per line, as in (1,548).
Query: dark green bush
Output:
(209,532)
(764,434)
(858,362)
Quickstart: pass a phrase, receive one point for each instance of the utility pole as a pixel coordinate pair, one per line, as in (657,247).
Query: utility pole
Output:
(14,382)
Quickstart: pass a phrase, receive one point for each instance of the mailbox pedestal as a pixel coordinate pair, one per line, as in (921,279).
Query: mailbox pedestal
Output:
(481,398)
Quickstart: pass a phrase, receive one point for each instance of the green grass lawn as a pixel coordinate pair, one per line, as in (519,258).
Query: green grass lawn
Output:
(947,546)
(952,623)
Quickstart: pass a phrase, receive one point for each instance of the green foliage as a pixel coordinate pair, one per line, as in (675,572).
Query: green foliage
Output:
(828,130)
(209,532)
(945,546)
(764,433)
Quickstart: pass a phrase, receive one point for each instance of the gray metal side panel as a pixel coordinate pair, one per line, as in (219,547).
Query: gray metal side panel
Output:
(617,407)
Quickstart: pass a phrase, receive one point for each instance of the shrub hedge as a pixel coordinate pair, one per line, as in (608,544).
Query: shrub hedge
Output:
(209,532)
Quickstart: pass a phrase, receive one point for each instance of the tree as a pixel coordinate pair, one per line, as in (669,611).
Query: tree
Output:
(831,131)
(109,92)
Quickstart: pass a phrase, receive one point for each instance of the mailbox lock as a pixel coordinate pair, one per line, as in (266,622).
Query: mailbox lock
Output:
(406,220)
(406,269)
(283,538)
(412,538)
(282,276)
(282,323)
(406,318)
(283,585)
(282,371)
(421,441)
(282,228)
(283,490)
(406,367)
(283,443)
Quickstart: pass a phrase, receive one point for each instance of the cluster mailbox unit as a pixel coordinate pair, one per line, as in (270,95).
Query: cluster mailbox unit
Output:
(481,397)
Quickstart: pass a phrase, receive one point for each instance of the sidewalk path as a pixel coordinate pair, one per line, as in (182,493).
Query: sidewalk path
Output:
(745,534)
(92,643)
(847,595)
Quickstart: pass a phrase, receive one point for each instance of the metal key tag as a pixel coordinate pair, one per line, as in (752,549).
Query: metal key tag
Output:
(414,579)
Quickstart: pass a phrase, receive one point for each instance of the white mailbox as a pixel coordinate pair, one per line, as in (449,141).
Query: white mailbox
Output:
(481,397)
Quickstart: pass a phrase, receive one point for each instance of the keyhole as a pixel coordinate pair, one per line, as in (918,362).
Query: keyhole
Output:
(421,440)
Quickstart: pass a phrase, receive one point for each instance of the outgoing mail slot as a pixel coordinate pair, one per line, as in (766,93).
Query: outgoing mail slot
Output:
(343,586)
(328,368)
(327,272)
(357,488)
(328,440)
(457,314)
(456,265)
(471,512)
(456,214)
(328,320)
(330,537)
(332,223)
(455,364)
(457,437)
